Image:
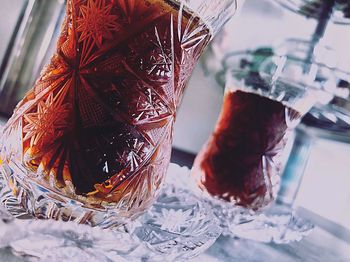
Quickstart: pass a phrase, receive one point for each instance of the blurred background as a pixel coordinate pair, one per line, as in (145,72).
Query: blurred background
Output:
(325,188)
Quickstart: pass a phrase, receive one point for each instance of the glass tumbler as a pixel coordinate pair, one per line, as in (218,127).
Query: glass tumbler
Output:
(91,141)
(266,96)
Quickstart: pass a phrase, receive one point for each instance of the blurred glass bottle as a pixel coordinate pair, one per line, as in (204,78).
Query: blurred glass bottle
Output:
(30,47)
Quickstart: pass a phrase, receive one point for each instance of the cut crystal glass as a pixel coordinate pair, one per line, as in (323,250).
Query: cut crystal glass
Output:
(91,141)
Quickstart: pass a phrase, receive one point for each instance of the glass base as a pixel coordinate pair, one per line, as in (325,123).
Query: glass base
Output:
(277,223)
(177,227)
(21,197)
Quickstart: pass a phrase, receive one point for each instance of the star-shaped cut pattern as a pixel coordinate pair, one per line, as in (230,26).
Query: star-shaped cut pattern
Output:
(97,22)
(49,118)
(152,106)
(172,220)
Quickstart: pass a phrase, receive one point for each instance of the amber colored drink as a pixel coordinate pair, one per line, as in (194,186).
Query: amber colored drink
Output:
(98,123)
(242,158)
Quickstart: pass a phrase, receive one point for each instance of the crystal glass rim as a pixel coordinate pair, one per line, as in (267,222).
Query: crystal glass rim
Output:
(225,64)
(214,13)
(294,95)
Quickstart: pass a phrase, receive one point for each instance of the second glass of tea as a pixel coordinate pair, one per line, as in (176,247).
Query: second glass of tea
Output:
(266,96)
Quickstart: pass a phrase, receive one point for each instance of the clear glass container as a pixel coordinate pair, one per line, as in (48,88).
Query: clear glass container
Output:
(242,159)
(239,167)
(91,140)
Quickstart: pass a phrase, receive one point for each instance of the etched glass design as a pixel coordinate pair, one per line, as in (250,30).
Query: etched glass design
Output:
(94,133)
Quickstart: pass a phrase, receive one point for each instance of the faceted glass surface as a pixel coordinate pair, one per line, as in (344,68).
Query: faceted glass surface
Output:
(96,128)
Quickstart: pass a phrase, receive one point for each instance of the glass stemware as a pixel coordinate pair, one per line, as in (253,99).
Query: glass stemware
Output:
(91,141)
(239,167)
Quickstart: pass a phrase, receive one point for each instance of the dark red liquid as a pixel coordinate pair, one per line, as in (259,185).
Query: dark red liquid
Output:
(242,157)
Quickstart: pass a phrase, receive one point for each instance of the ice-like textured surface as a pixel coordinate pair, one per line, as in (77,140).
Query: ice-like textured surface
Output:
(48,240)
(178,226)
(276,223)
